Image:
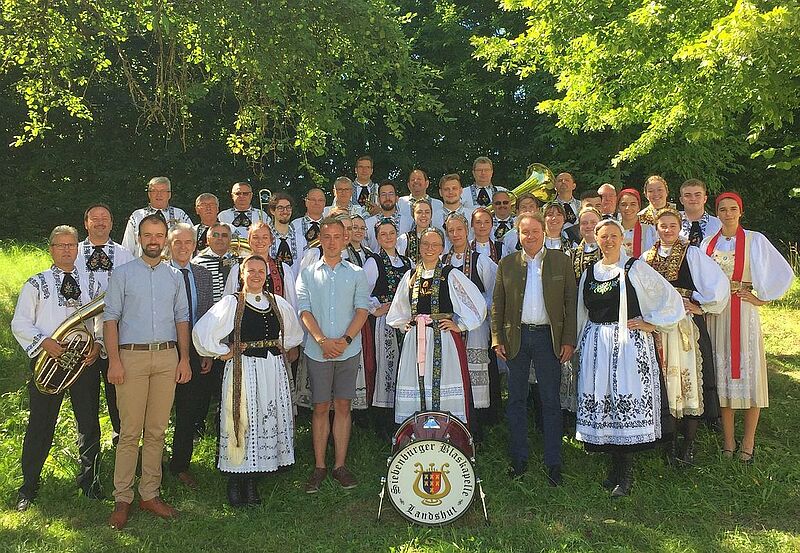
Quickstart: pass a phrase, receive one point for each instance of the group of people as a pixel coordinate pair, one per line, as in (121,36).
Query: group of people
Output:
(638,321)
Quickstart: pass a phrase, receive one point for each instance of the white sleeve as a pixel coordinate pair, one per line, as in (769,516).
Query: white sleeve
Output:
(371,270)
(310,257)
(213,327)
(713,287)
(468,302)
(184,217)
(659,302)
(402,244)
(129,241)
(399,314)
(289,286)
(649,237)
(232,284)
(583,312)
(510,242)
(23,324)
(292,331)
(487,269)
(772,275)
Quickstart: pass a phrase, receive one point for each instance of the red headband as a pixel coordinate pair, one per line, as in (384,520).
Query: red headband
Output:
(732,196)
(632,192)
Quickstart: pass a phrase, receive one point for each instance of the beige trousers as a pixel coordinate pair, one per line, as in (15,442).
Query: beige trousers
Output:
(144,401)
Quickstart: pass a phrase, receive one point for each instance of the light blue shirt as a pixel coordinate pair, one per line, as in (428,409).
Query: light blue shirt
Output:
(192,286)
(146,302)
(332,296)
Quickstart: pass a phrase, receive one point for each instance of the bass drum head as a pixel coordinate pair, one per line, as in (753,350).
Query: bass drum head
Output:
(434,425)
(431,482)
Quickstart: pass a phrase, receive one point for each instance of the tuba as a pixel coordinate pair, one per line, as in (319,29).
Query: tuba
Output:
(539,181)
(53,376)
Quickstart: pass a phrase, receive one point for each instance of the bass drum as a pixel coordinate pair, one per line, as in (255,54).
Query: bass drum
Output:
(434,425)
(431,482)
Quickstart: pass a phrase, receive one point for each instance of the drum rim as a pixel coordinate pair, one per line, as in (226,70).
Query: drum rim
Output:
(451,416)
(474,493)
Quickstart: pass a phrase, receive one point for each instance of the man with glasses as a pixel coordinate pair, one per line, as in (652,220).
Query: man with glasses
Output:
(342,194)
(365,191)
(503,214)
(418,184)
(285,241)
(159,191)
(47,299)
(242,214)
(387,200)
(482,191)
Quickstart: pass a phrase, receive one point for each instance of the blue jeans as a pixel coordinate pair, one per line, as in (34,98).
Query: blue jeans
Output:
(536,346)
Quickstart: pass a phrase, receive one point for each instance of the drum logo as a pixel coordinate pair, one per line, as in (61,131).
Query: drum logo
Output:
(435,484)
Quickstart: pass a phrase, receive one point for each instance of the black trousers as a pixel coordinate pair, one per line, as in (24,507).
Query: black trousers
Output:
(110,393)
(85,398)
(187,409)
(209,387)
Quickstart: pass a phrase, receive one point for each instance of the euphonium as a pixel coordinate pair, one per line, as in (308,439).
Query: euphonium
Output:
(53,376)
(540,182)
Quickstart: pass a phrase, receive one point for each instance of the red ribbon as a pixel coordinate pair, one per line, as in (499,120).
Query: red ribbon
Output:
(637,239)
(736,301)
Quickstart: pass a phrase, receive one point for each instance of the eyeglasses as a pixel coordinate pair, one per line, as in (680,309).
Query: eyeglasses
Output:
(430,245)
(501,202)
(242,193)
(283,208)
(70,246)
(220,235)
(348,189)
(363,229)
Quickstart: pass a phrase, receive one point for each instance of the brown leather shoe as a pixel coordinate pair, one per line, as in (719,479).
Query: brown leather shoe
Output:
(187,480)
(344,477)
(316,479)
(158,508)
(119,518)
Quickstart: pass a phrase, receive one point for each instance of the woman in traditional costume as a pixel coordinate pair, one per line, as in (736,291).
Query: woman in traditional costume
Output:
(621,301)
(687,362)
(758,274)
(256,421)
(554,218)
(391,268)
(408,243)
(638,237)
(434,304)
(587,252)
(481,271)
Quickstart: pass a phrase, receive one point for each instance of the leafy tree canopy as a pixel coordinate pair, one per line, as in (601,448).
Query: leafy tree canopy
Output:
(296,68)
(700,77)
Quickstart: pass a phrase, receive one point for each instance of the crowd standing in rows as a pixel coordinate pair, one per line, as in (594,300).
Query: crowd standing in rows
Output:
(634,322)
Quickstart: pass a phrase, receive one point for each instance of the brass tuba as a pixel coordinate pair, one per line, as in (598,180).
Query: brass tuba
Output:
(539,181)
(53,376)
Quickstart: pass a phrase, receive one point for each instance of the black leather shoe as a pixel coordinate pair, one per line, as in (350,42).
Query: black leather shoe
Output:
(23,503)
(554,476)
(612,478)
(518,468)
(623,488)
(250,491)
(235,497)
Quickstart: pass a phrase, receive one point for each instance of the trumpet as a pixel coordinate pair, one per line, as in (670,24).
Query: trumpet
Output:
(53,376)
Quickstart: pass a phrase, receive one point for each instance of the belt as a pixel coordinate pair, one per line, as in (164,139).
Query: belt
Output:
(685,292)
(531,327)
(737,285)
(434,317)
(262,344)
(157,346)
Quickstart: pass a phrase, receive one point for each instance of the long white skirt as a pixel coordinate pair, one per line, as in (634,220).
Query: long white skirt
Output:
(269,438)
(619,394)
(750,390)
(683,369)
(387,359)
(407,397)
(478,362)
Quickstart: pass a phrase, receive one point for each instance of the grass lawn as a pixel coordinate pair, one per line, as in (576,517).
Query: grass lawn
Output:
(721,505)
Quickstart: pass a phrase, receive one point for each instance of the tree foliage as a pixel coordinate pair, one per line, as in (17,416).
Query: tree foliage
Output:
(296,68)
(703,77)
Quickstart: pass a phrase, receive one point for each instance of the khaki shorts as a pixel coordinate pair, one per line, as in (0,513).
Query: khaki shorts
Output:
(333,379)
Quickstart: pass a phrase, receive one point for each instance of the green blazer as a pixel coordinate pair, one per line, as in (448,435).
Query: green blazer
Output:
(560,300)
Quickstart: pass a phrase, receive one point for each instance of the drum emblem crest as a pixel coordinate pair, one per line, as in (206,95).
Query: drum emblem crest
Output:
(431,485)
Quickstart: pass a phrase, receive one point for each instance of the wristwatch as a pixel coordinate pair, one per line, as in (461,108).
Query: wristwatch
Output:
(348,339)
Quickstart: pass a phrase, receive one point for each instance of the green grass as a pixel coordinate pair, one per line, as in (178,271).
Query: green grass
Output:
(720,506)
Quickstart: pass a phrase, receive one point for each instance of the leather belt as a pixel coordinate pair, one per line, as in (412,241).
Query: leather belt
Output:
(157,346)
(262,344)
(737,285)
(531,327)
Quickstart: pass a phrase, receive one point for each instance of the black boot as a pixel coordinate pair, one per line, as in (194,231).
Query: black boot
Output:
(612,478)
(687,453)
(251,496)
(623,487)
(235,490)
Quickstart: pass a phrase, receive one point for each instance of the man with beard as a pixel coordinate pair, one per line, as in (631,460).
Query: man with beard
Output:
(387,199)
(285,243)
(159,191)
(503,215)
(450,190)
(146,316)
(97,257)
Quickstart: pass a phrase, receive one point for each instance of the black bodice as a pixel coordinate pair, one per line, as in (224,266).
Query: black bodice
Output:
(601,297)
(259,325)
(424,301)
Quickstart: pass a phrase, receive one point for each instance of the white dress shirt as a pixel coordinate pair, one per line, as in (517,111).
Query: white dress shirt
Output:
(533,311)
